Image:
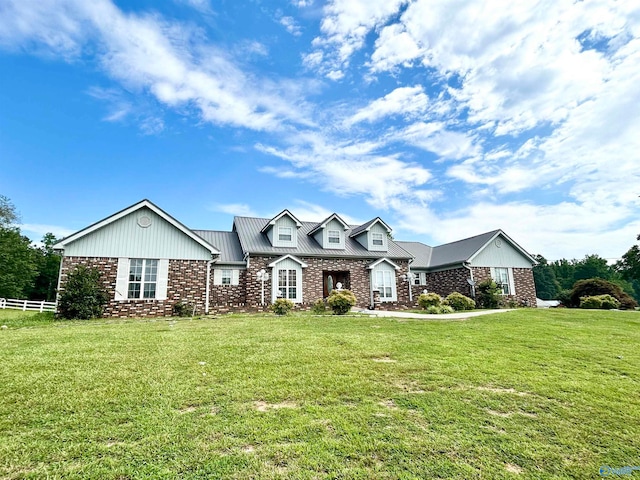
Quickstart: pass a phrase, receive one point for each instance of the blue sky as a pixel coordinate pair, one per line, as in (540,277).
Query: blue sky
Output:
(446,119)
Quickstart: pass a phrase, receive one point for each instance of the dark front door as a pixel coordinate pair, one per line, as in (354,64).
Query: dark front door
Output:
(330,281)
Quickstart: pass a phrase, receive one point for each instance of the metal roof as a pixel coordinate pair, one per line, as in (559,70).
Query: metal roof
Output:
(420,251)
(254,242)
(365,226)
(449,253)
(226,242)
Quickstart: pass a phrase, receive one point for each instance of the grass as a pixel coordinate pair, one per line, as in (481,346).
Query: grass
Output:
(523,394)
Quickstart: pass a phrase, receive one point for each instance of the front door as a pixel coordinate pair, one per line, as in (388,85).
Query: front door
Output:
(331,279)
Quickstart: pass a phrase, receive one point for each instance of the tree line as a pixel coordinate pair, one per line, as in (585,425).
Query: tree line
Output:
(27,271)
(555,279)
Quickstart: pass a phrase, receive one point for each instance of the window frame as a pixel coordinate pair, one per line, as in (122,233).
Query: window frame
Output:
(287,284)
(385,289)
(503,281)
(281,233)
(226,276)
(377,237)
(335,237)
(146,279)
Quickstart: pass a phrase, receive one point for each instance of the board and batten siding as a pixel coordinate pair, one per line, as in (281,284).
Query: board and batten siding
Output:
(322,235)
(284,221)
(504,255)
(366,239)
(125,238)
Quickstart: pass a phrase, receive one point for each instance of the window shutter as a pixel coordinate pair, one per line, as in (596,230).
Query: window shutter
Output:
(122,279)
(235,277)
(217,276)
(163,279)
(493,274)
(512,283)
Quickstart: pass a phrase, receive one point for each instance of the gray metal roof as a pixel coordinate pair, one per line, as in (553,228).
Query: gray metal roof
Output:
(253,241)
(447,254)
(327,220)
(359,229)
(420,251)
(226,242)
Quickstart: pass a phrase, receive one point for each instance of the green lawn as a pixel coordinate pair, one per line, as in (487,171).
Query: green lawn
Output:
(523,394)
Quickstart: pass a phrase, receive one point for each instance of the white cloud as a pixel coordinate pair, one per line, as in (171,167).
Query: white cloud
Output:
(236,209)
(203,6)
(405,101)
(38,230)
(291,25)
(146,53)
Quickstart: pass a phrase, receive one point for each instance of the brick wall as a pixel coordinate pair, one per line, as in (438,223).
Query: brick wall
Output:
(186,282)
(523,282)
(447,281)
(312,287)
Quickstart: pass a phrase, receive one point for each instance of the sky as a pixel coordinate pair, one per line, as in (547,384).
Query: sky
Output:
(446,119)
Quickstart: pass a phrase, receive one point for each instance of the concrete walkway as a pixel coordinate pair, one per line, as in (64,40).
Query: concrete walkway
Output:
(426,316)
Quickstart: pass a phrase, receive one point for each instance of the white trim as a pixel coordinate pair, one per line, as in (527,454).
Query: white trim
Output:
(123,213)
(273,221)
(380,260)
(162,279)
(295,259)
(122,279)
(207,287)
(325,222)
(508,239)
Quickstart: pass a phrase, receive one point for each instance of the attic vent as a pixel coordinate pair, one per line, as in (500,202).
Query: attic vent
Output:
(144,221)
(498,242)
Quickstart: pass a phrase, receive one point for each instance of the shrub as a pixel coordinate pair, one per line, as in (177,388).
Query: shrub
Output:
(459,302)
(84,295)
(282,306)
(606,302)
(183,309)
(426,300)
(597,286)
(341,301)
(564,297)
(439,309)
(591,302)
(488,294)
(319,307)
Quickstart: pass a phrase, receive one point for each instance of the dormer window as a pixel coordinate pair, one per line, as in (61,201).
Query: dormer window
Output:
(333,236)
(285,234)
(377,238)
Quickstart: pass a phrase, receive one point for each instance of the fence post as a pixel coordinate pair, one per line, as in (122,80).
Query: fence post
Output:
(24,306)
(3,303)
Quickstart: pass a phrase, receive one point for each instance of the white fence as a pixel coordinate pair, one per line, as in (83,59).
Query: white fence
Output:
(31,305)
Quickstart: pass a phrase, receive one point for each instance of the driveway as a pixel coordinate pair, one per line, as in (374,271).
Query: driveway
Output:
(426,316)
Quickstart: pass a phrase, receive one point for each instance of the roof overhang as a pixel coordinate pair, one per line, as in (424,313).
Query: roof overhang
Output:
(123,213)
(508,239)
(372,265)
(290,257)
(283,213)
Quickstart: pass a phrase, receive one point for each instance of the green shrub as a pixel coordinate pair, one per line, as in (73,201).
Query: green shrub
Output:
(282,306)
(488,294)
(319,307)
(84,295)
(459,302)
(439,309)
(183,309)
(564,297)
(426,300)
(591,302)
(341,301)
(606,302)
(597,286)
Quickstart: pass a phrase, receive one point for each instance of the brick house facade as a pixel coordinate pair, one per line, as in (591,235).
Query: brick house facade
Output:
(150,262)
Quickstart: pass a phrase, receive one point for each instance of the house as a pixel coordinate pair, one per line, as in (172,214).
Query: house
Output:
(150,262)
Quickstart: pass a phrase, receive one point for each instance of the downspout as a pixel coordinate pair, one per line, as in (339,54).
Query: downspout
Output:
(409,280)
(467,265)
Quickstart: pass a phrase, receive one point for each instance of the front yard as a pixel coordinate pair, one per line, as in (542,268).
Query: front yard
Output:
(523,394)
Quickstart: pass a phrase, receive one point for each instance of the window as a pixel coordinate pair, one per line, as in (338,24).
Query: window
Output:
(377,239)
(288,284)
(143,277)
(225,277)
(384,283)
(285,234)
(333,236)
(502,280)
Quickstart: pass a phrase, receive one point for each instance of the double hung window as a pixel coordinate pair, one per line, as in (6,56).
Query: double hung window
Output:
(143,278)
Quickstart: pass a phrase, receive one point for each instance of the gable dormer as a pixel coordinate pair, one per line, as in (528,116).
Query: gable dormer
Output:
(282,230)
(330,233)
(373,235)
